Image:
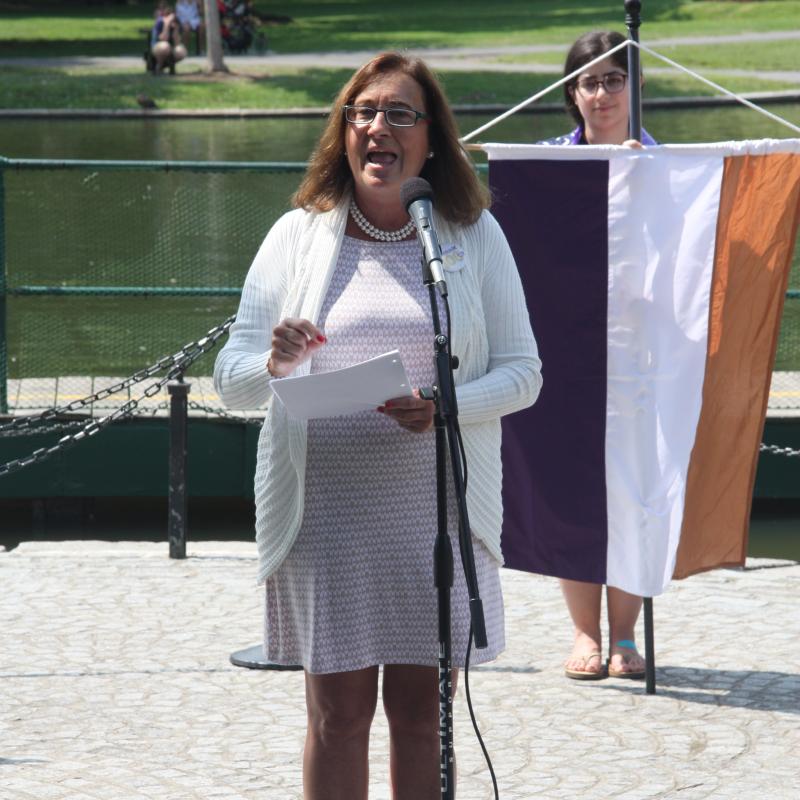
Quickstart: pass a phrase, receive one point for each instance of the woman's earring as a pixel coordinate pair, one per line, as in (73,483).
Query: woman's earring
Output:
(430,153)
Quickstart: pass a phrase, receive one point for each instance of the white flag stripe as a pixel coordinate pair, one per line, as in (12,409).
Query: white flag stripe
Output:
(661,257)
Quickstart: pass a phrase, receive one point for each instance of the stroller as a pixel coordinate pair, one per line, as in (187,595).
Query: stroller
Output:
(239,27)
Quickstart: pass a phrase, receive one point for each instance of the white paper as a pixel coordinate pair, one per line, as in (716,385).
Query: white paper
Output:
(345,391)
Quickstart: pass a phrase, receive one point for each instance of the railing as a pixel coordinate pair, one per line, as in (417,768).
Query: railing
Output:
(105,264)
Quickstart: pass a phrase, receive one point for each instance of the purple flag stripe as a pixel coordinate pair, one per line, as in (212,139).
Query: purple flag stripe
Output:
(555,216)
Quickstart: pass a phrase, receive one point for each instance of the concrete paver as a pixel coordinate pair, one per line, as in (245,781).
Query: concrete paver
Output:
(115,683)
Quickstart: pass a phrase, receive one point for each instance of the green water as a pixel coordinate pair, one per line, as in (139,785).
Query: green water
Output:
(775,529)
(294,139)
(161,139)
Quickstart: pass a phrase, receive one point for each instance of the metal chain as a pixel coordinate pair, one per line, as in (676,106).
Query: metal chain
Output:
(778,451)
(176,364)
(190,351)
(94,426)
(180,363)
(220,412)
(65,425)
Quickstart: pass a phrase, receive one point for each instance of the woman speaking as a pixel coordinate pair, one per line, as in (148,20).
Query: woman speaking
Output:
(346,506)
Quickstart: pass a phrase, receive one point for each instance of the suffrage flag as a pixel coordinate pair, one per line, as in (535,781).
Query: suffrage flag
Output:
(655,281)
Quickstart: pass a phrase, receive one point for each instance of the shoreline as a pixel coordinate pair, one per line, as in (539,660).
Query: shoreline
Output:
(767,98)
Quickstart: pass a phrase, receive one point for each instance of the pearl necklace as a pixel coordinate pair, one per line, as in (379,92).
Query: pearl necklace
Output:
(376,233)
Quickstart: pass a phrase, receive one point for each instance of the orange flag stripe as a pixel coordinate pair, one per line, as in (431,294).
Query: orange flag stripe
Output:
(756,230)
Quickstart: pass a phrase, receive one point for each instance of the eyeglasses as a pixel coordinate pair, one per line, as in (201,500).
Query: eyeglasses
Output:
(396,117)
(612,82)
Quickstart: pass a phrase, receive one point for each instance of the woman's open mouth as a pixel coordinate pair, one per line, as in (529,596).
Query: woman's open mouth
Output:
(381,158)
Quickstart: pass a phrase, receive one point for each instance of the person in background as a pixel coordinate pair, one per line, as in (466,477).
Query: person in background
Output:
(165,40)
(346,506)
(598,100)
(190,18)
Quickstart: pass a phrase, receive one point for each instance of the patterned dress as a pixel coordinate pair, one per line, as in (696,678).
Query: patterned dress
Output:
(357,587)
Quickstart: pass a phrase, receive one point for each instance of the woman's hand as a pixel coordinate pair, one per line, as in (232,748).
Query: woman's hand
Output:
(411,413)
(633,144)
(293,342)
(166,29)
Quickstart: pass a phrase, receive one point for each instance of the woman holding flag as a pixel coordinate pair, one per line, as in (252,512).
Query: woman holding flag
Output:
(598,102)
(598,99)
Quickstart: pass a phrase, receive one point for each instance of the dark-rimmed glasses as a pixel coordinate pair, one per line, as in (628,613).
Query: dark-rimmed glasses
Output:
(397,116)
(612,82)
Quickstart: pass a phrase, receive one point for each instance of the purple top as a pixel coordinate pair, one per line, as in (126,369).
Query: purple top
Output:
(577,137)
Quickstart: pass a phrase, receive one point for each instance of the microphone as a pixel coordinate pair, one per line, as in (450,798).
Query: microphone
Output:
(416,195)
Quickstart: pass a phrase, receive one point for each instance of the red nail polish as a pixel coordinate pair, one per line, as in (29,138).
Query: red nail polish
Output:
(388,404)
(321,339)
(379,408)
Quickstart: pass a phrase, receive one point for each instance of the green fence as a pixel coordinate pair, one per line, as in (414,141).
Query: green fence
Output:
(106,266)
(110,265)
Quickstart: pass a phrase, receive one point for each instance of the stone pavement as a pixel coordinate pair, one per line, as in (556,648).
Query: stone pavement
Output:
(115,684)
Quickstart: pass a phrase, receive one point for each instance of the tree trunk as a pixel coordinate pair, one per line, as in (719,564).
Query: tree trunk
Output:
(213,38)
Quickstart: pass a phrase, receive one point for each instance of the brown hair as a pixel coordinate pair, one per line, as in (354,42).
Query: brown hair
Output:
(585,49)
(460,196)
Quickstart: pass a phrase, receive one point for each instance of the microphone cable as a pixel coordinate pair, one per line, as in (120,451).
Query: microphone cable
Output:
(469,640)
(474,721)
(464,470)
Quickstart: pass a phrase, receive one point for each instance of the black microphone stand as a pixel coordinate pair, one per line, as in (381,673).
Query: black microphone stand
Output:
(445,422)
(633,20)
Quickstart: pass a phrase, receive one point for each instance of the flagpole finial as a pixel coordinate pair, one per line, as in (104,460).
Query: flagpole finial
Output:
(633,13)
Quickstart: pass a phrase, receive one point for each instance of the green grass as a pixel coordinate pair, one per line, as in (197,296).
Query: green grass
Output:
(445,23)
(365,24)
(88,88)
(765,57)
(761,56)
(30,28)
(34,30)
(74,87)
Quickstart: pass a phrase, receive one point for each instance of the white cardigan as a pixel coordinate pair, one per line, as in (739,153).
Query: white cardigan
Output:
(499,367)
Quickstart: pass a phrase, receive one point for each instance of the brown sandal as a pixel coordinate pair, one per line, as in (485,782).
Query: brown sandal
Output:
(586,674)
(618,673)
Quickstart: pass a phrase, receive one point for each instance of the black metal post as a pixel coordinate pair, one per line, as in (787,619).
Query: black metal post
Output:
(649,648)
(633,20)
(3,344)
(178,497)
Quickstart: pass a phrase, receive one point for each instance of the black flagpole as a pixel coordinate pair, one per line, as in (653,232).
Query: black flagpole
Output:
(633,20)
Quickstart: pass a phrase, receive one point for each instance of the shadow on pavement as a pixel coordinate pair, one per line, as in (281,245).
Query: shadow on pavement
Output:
(501,668)
(752,689)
